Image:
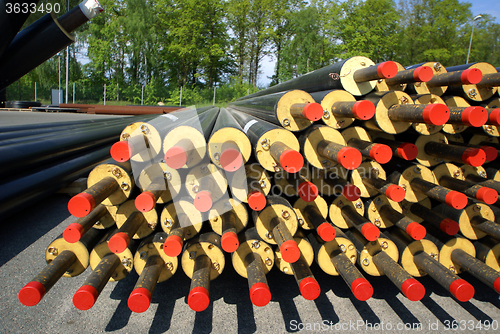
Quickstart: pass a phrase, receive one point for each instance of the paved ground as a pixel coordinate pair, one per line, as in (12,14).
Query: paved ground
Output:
(15,117)
(25,237)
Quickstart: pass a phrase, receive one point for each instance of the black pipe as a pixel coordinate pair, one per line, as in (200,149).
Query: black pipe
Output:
(15,194)
(11,22)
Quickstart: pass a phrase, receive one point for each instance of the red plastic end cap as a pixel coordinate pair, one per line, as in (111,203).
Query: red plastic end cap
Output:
(260,294)
(203,201)
(491,152)
(387,69)
(436,114)
(362,289)
(176,157)
(173,245)
(471,76)
(198,299)
(308,191)
(349,157)
(423,74)
(85,297)
(462,290)
(416,231)
(449,226)
(119,242)
(381,153)
(326,232)
(407,151)
(351,192)
(256,200)
(81,205)
(474,157)
(496,285)
(139,300)
(291,161)
(413,289)
(395,193)
(231,160)
(456,200)
(145,202)
(121,151)
(229,242)
(309,288)
(290,251)
(474,116)
(487,195)
(31,293)
(73,233)
(363,110)
(370,232)
(494,117)
(313,111)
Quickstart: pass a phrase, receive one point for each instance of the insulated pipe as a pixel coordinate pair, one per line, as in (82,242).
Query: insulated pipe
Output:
(253,260)
(11,22)
(63,259)
(294,110)
(228,146)
(47,36)
(274,147)
(337,76)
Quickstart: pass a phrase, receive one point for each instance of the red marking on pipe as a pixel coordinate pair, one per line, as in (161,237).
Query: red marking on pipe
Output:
(173,245)
(139,300)
(423,74)
(351,192)
(308,191)
(175,157)
(73,233)
(121,151)
(313,111)
(363,110)
(456,200)
(203,201)
(81,205)
(290,251)
(449,226)
(256,200)
(309,288)
(291,161)
(395,193)
(487,195)
(407,151)
(119,242)
(413,289)
(85,297)
(387,69)
(326,232)
(145,202)
(229,242)
(471,76)
(416,231)
(231,160)
(474,157)
(474,116)
(462,290)
(260,294)
(381,153)
(349,157)
(31,293)
(436,114)
(362,289)
(198,299)
(370,231)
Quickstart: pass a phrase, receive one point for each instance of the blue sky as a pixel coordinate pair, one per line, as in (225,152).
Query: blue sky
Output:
(491,7)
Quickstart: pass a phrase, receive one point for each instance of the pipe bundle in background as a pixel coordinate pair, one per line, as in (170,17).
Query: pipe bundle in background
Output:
(331,167)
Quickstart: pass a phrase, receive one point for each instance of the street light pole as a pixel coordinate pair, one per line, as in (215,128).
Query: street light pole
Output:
(470,43)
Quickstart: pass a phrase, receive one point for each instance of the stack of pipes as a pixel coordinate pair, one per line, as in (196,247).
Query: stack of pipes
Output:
(367,169)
